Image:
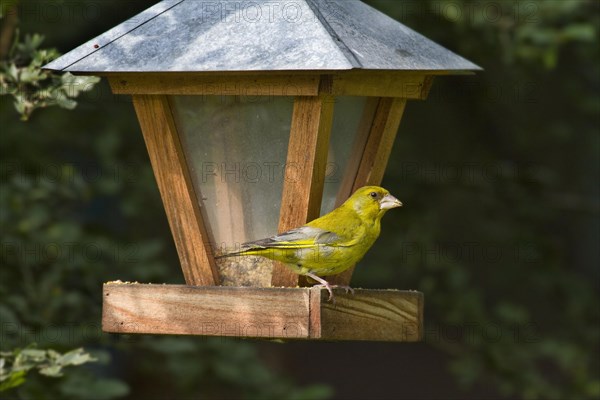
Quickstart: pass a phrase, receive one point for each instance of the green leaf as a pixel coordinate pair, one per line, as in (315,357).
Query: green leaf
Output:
(29,75)
(13,380)
(54,371)
(75,357)
(73,85)
(13,72)
(34,354)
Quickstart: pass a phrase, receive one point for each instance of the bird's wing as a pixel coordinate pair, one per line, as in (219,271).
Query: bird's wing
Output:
(303,237)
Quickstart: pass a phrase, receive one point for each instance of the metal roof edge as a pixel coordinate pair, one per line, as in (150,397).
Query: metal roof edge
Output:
(91,46)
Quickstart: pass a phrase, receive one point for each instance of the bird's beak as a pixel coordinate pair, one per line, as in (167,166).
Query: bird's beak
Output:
(388,202)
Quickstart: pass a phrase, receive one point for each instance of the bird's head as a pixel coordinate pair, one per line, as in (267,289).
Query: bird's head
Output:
(373,201)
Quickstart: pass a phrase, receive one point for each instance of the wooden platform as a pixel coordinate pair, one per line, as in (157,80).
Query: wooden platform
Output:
(273,313)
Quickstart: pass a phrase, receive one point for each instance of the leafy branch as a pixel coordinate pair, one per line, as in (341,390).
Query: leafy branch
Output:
(14,365)
(22,77)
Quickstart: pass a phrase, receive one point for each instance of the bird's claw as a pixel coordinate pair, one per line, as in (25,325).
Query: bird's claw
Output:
(330,288)
(347,289)
(323,283)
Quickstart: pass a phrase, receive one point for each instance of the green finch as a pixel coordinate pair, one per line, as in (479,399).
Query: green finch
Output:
(332,243)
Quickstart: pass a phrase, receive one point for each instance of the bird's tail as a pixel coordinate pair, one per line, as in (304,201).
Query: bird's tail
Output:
(244,251)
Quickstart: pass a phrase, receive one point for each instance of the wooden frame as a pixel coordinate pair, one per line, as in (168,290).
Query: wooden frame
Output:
(176,189)
(408,85)
(373,156)
(303,184)
(174,309)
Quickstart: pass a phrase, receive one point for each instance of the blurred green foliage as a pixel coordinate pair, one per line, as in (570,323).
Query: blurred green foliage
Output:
(78,207)
(21,77)
(15,364)
(500,227)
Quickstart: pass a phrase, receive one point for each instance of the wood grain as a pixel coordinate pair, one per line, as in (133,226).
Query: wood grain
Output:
(375,156)
(427,83)
(381,315)
(177,83)
(286,313)
(305,171)
(405,84)
(381,140)
(348,184)
(408,85)
(176,189)
(207,311)
(314,313)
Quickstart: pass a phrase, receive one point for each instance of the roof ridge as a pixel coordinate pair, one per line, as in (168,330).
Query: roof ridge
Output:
(350,56)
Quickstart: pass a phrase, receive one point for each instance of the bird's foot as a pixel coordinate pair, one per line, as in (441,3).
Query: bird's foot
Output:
(348,289)
(326,285)
(329,289)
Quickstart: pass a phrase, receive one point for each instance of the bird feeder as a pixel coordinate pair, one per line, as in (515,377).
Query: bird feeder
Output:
(258,117)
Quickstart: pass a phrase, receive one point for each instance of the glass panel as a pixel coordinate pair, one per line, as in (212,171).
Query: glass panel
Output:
(347,116)
(236,147)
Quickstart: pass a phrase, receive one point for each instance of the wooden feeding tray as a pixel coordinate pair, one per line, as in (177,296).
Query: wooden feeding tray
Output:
(268,313)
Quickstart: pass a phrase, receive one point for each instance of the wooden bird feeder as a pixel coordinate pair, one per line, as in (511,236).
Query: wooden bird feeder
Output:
(258,117)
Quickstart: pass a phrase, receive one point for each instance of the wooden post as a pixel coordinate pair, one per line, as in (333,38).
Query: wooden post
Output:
(305,171)
(381,139)
(375,155)
(176,189)
(356,153)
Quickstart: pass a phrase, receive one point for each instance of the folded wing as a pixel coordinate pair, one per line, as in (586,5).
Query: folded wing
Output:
(303,237)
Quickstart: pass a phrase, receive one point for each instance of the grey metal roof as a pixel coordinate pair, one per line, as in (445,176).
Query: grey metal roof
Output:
(259,35)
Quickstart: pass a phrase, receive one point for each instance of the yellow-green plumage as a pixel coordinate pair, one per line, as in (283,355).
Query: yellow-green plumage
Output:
(332,243)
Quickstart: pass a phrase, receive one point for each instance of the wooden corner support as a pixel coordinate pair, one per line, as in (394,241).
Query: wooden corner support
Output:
(270,313)
(305,171)
(373,155)
(176,189)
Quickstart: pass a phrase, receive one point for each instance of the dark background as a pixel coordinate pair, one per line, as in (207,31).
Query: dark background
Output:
(498,171)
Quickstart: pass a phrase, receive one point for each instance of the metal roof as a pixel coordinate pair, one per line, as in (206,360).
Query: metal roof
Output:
(259,35)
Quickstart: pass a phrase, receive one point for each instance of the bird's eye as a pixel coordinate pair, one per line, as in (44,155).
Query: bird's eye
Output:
(373,195)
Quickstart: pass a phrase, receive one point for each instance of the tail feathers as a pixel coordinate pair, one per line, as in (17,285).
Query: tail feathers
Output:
(244,251)
(258,248)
